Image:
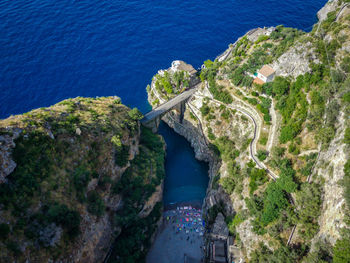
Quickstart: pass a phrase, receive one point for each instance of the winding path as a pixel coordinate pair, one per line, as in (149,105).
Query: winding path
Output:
(252,146)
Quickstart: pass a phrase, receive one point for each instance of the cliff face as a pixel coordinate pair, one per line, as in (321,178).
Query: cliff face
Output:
(277,151)
(62,168)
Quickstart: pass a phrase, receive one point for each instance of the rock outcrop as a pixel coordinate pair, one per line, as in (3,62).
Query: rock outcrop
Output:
(7,164)
(296,61)
(63,171)
(329,7)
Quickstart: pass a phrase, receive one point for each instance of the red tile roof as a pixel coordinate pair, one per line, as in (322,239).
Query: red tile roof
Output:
(266,71)
(258,81)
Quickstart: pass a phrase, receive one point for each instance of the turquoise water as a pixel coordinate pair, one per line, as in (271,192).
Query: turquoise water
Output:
(186,178)
(53,50)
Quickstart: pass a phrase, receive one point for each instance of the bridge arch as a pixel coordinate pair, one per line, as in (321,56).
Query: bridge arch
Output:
(152,119)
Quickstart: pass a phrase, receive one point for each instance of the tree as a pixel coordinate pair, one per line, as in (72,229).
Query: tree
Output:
(257,177)
(135,114)
(280,86)
(345,65)
(308,201)
(67,218)
(228,184)
(278,152)
(347,136)
(346,182)
(288,133)
(96,205)
(286,183)
(262,155)
(274,202)
(116,141)
(346,97)
(341,251)
(205,109)
(168,87)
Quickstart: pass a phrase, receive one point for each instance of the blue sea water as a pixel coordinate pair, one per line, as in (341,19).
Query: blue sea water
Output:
(53,50)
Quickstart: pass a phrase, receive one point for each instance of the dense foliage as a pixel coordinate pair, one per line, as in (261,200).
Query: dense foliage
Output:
(171,83)
(137,184)
(58,152)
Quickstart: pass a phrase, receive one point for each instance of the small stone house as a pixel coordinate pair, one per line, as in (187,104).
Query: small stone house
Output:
(266,73)
(218,252)
(220,230)
(219,236)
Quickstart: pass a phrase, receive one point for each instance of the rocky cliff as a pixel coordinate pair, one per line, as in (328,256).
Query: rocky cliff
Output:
(278,151)
(66,176)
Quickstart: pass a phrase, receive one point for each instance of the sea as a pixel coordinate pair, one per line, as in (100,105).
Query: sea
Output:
(58,49)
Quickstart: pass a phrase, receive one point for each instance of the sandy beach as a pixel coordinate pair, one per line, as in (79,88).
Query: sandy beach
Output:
(180,237)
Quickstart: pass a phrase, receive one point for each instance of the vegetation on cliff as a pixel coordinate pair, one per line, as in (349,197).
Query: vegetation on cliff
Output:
(299,116)
(75,163)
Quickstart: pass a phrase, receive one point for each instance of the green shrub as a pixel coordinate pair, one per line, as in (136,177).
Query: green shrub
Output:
(215,182)
(341,251)
(346,97)
(347,136)
(253,101)
(210,70)
(205,109)
(233,222)
(135,114)
(280,86)
(282,254)
(226,114)
(345,65)
(119,101)
(193,117)
(286,183)
(262,155)
(308,201)
(80,179)
(310,161)
(263,140)
(228,184)
(261,38)
(4,231)
(278,152)
(133,242)
(96,205)
(219,93)
(14,247)
(34,156)
(121,156)
(325,134)
(151,140)
(211,135)
(346,182)
(69,219)
(116,141)
(227,148)
(274,201)
(257,177)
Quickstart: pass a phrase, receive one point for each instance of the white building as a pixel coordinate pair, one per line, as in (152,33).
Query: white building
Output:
(266,73)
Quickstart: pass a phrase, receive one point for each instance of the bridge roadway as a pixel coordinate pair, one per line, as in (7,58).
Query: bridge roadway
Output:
(165,107)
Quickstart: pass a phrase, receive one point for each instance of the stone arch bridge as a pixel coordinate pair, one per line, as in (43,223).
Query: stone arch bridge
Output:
(152,119)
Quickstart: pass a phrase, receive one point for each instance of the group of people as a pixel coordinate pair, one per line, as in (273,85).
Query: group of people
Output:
(186,219)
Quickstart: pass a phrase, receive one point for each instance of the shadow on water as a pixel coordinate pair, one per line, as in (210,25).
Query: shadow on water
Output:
(186,178)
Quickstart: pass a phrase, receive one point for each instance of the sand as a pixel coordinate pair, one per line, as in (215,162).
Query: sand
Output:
(180,237)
